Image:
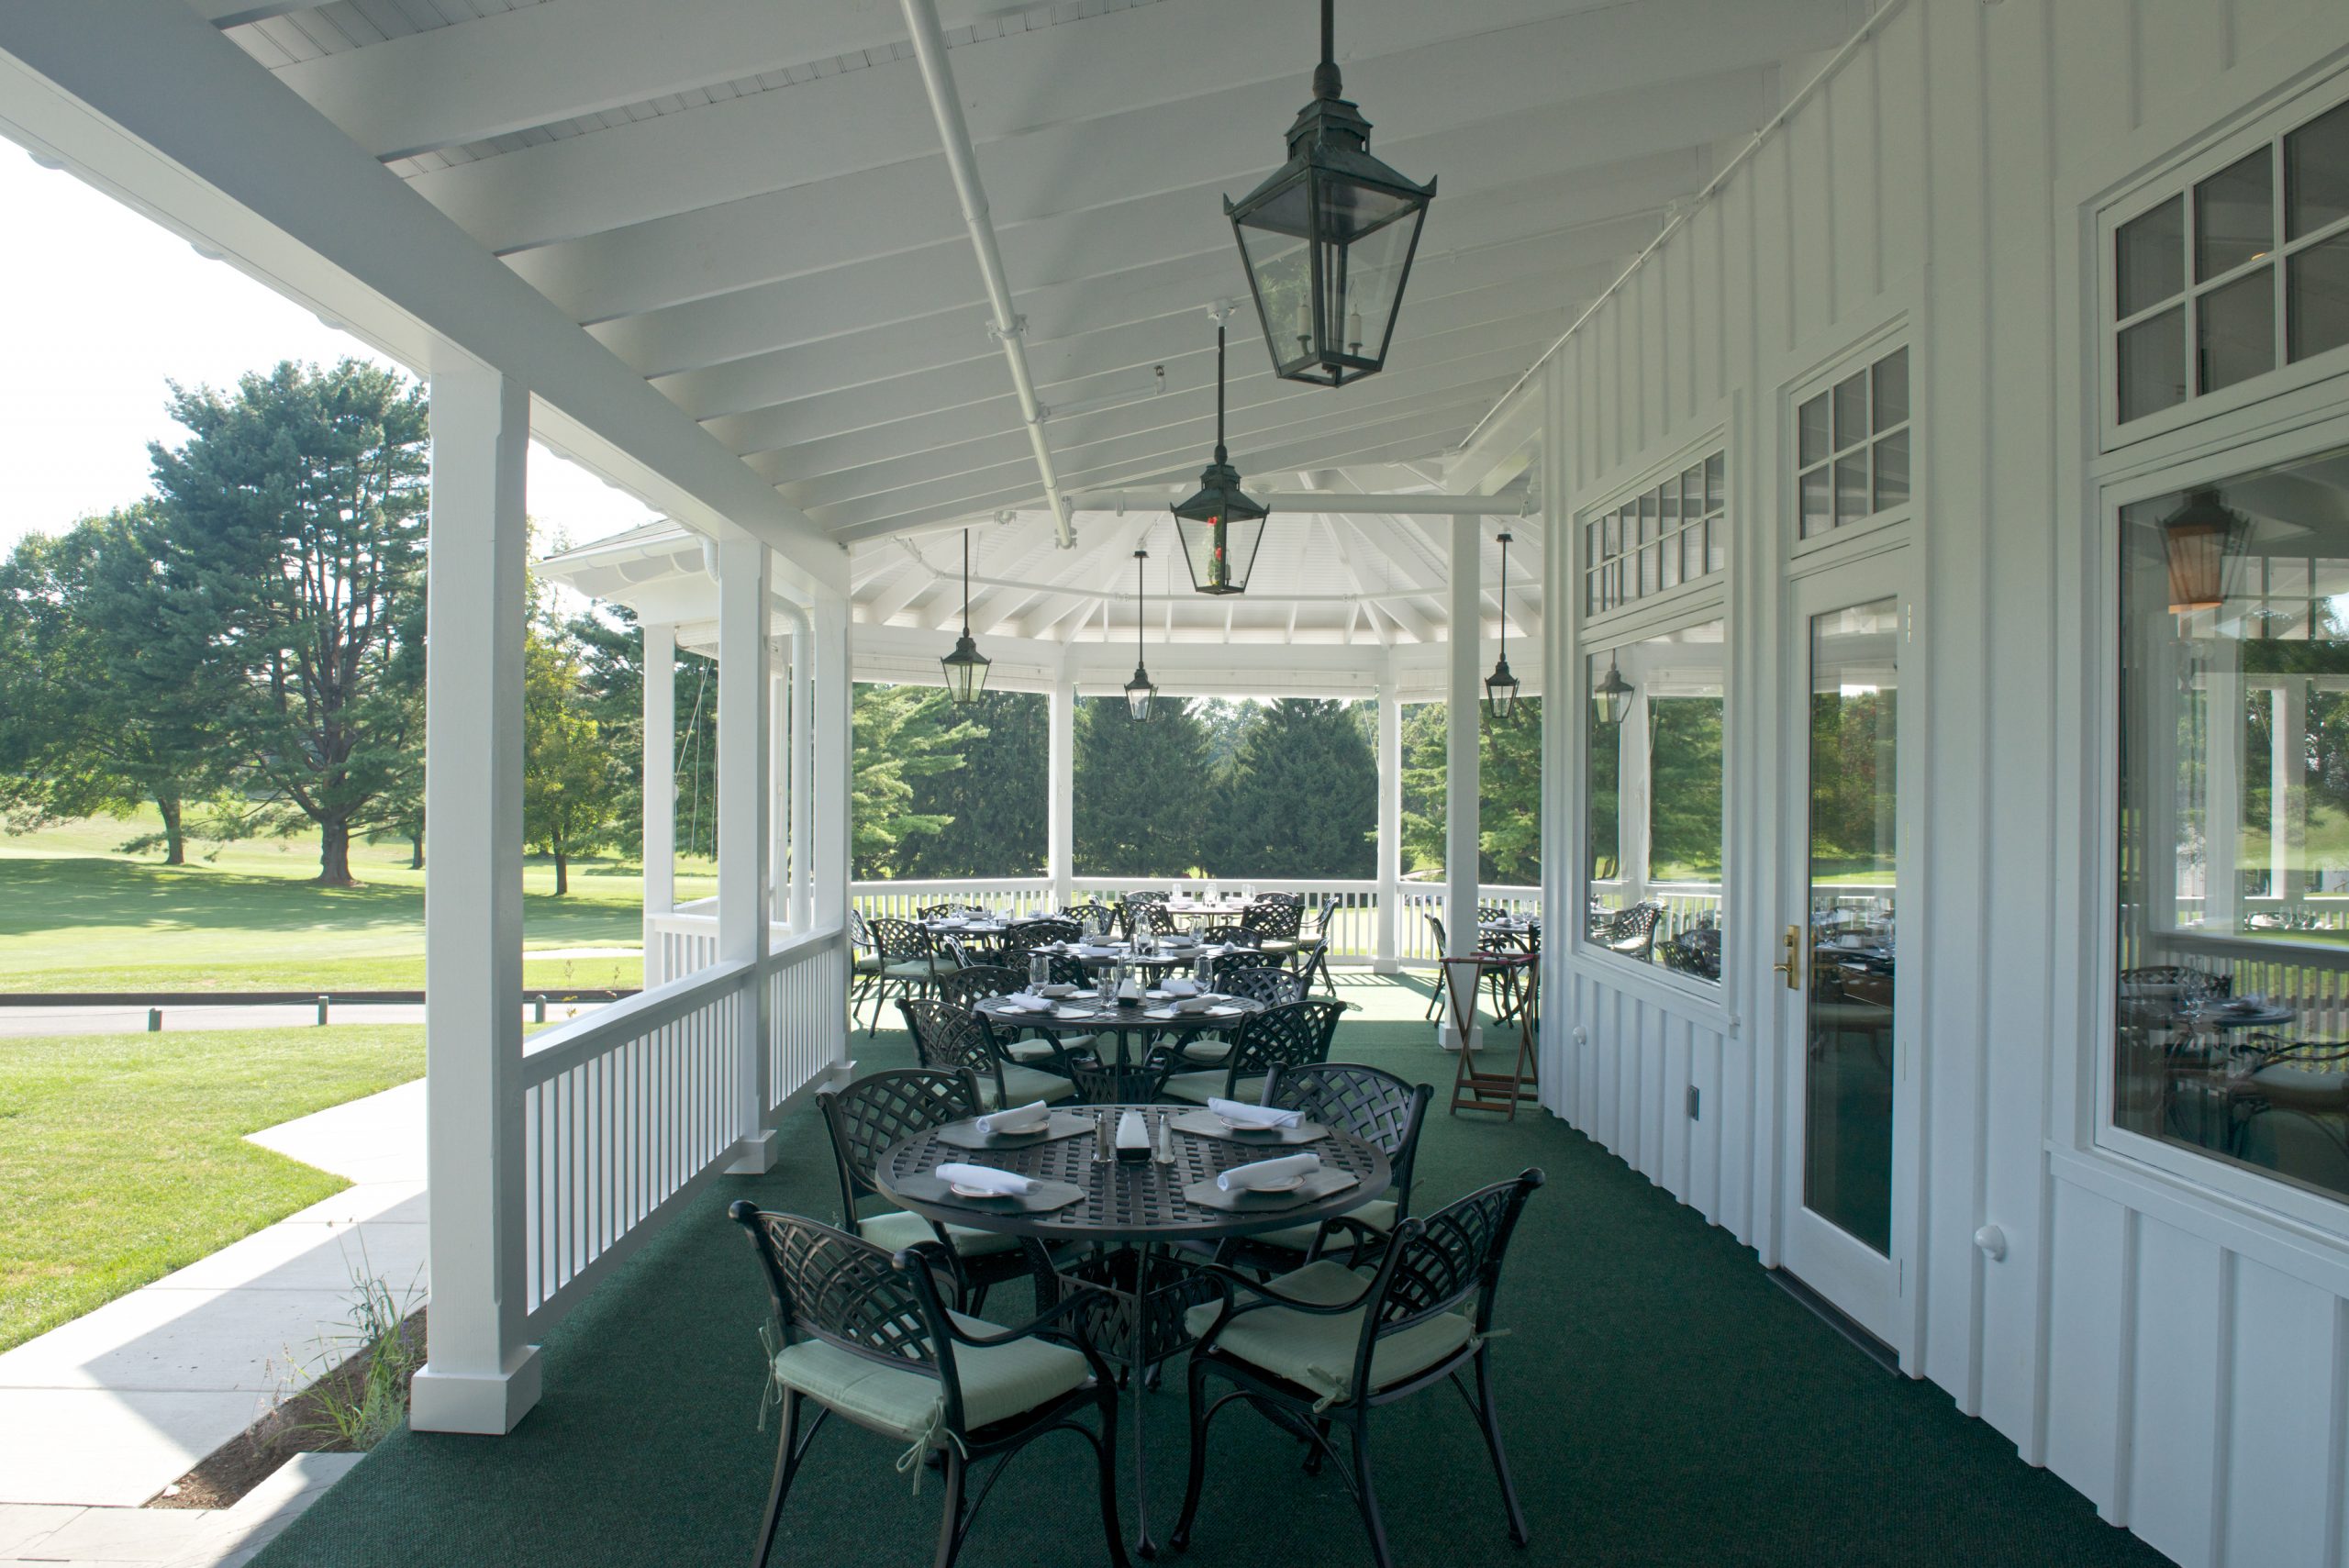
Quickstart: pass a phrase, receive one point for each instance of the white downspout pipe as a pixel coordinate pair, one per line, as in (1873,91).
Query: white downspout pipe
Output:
(1008,326)
(1428,505)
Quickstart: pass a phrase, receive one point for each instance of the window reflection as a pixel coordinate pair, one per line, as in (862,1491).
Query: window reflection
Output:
(1655,789)
(2234,1008)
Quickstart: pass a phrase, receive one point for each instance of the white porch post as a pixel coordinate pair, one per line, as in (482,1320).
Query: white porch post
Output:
(1463,821)
(1390,817)
(2288,792)
(803,774)
(778,779)
(659,773)
(744,707)
(1060,749)
(1633,823)
(479,1376)
(2222,797)
(835,691)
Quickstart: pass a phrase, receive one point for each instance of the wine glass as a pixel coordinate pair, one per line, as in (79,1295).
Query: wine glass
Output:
(1040,970)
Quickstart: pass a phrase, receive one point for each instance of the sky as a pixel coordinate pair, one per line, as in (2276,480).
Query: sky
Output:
(106,307)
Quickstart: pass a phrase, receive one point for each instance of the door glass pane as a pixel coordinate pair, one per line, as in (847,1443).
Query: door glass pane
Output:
(1818,512)
(1892,471)
(1892,389)
(2234,217)
(1850,488)
(1817,438)
(2237,325)
(1654,788)
(1847,1095)
(1851,410)
(2316,305)
(2149,257)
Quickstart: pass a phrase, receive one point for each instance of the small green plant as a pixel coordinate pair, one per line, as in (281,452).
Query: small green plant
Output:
(362,1413)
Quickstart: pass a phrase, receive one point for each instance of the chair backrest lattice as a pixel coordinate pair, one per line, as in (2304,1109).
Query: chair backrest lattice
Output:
(1265,983)
(1445,1259)
(948,1038)
(979,981)
(867,1117)
(1369,1103)
(1272,922)
(898,941)
(1294,1034)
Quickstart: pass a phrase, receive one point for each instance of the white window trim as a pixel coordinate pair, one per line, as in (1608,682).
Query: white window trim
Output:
(1855,354)
(1683,456)
(2178,176)
(2289,435)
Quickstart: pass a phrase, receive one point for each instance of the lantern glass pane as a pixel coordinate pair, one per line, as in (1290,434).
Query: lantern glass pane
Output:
(1280,269)
(1362,281)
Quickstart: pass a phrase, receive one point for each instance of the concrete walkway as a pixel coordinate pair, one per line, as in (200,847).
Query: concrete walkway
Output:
(50,1535)
(105,1411)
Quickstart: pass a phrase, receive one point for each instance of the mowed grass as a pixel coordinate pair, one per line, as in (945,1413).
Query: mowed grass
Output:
(77,914)
(123,1156)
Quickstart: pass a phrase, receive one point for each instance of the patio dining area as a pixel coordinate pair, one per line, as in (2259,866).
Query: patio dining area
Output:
(1663,1402)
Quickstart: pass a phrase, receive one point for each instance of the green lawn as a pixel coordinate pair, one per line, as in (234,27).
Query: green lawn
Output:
(78,914)
(123,1156)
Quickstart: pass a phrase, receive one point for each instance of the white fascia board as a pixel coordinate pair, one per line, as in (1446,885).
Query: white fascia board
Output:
(148,102)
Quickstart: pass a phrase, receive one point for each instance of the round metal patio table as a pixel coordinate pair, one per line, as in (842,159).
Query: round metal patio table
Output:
(1136,1208)
(1126,1074)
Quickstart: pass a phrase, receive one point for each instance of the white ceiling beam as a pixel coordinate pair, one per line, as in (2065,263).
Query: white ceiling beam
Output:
(151,103)
(1417,434)
(237,13)
(1046,239)
(541,64)
(1088,471)
(1103,66)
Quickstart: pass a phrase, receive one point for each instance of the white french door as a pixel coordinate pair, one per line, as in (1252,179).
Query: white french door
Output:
(1849,1145)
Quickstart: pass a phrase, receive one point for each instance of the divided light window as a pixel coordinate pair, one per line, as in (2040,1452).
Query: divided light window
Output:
(2226,281)
(1852,446)
(1676,533)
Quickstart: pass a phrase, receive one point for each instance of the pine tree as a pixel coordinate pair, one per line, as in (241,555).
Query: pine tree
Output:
(902,734)
(1508,811)
(995,804)
(1144,795)
(1302,799)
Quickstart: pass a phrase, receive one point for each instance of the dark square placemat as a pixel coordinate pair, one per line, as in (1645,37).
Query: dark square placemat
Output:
(1204,1123)
(1047,1196)
(1322,1183)
(1062,1124)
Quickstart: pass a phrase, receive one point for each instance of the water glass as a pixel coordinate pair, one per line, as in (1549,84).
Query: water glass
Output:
(1106,987)
(1248,891)
(1040,970)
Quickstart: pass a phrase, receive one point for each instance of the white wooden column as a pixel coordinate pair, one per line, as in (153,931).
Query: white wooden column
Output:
(778,779)
(660,788)
(1632,819)
(1059,772)
(802,775)
(2222,788)
(744,707)
(2287,791)
(479,1376)
(1391,817)
(1462,820)
(835,692)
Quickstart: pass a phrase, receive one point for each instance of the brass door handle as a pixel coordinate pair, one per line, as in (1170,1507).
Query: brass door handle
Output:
(1792,967)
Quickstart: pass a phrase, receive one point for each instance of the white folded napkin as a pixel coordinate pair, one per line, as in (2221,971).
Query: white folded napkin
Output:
(1268,1172)
(1192,1005)
(987,1178)
(1023,1001)
(1242,1115)
(1176,985)
(1019,1119)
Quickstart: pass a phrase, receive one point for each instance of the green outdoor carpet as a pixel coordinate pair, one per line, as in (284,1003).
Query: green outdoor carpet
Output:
(1663,1401)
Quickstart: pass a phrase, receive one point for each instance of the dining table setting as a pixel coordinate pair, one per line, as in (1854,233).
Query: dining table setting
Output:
(1135,1015)
(1125,1200)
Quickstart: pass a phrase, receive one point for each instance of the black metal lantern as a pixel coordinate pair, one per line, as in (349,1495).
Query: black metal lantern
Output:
(966,667)
(2198,539)
(1220,526)
(1328,239)
(1139,693)
(1500,686)
(1611,698)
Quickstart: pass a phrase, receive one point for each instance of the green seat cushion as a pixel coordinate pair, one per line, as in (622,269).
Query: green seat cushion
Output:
(1208,1051)
(868,964)
(1378,1213)
(1317,1351)
(910,969)
(1025,1085)
(1032,1050)
(1200,1087)
(899,1230)
(998,1382)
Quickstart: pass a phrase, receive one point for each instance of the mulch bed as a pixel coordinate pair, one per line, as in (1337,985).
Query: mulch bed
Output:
(298,1426)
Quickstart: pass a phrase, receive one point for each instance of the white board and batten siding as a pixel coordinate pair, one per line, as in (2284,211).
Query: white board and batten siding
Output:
(2179,1355)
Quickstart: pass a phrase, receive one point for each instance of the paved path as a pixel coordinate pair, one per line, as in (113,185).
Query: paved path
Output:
(108,1410)
(52,1536)
(21,1021)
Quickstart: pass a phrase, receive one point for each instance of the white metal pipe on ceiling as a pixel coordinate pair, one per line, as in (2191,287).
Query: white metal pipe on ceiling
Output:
(962,161)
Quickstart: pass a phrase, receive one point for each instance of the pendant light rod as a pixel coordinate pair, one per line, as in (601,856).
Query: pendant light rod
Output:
(1326,83)
(1219,454)
(1337,501)
(1008,327)
(966,583)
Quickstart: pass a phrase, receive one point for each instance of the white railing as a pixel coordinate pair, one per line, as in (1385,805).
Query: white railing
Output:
(1347,910)
(631,1110)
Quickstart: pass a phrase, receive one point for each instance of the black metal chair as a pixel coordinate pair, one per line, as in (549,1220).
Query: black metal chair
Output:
(1373,1106)
(968,987)
(950,1037)
(909,966)
(1296,1034)
(863,1335)
(1632,932)
(1271,925)
(1442,946)
(1150,913)
(865,1118)
(1028,935)
(1321,1347)
(1258,983)
(865,964)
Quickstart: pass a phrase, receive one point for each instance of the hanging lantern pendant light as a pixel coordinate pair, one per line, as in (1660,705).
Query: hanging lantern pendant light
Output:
(966,667)
(1328,239)
(1611,698)
(1220,526)
(1139,693)
(1500,686)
